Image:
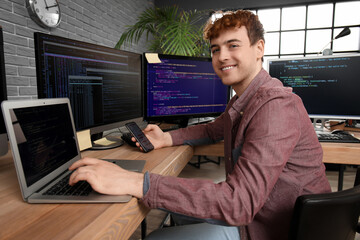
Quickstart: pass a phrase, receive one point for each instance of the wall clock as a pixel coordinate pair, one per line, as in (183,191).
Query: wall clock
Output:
(45,13)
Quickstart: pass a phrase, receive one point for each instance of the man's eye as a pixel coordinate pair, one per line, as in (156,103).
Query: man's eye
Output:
(234,46)
(214,51)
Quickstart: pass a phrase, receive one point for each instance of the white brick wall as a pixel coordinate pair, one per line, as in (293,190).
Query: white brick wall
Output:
(95,21)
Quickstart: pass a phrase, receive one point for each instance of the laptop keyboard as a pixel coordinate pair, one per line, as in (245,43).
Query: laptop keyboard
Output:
(82,188)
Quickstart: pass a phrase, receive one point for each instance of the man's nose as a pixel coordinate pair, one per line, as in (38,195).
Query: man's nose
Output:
(223,55)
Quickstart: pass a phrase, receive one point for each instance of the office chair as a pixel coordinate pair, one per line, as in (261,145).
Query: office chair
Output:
(330,216)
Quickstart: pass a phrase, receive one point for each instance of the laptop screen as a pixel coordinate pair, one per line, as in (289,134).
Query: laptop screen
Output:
(45,139)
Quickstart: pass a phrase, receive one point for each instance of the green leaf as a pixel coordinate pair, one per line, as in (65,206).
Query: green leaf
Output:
(168,31)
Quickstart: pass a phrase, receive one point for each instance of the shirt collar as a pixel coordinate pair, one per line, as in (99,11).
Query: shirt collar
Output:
(260,79)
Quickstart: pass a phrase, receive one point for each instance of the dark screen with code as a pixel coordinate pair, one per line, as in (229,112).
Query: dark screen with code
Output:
(328,86)
(184,86)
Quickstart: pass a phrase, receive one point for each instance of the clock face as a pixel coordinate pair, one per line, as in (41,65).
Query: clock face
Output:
(44,12)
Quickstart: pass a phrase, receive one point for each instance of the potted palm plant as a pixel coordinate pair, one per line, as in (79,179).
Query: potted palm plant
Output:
(173,31)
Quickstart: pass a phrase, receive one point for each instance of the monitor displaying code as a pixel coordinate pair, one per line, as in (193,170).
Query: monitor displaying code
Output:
(103,84)
(328,85)
(184,86)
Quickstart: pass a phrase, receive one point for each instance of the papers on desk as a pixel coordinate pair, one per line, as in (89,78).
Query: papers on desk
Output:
(104,141)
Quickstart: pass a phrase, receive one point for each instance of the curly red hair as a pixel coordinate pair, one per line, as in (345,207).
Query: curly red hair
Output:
(235,19)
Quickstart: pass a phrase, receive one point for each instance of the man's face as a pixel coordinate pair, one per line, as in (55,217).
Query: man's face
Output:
(234,60)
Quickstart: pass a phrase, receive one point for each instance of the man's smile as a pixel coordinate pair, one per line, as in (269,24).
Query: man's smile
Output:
(227,67)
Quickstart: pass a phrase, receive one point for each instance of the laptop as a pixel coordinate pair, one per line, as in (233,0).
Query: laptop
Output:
(44,144)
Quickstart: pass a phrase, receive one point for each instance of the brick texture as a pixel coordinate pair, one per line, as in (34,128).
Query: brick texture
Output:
(96,21)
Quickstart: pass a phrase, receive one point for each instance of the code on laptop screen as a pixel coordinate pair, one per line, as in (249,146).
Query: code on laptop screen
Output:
(45,138)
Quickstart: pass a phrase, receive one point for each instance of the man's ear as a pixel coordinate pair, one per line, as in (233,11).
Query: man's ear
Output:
(260,45)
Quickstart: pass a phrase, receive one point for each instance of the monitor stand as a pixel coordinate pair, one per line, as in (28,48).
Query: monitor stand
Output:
(102,143)
(184,122)
(181,123)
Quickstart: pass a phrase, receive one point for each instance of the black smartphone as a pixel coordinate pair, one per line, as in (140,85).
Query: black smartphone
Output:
(139,136)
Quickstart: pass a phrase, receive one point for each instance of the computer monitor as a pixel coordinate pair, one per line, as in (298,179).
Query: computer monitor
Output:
(329,86)
(104,85)
(178,88)
(3,96)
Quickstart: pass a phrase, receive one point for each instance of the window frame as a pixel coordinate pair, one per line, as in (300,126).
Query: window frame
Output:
(306,29)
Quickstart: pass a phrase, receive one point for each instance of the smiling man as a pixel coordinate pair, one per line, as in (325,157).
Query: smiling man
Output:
(235,59)
(272,154)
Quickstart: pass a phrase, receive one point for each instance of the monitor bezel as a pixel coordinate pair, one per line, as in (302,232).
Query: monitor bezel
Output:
(315,115)
(101,127)
(3,96)
(178,117)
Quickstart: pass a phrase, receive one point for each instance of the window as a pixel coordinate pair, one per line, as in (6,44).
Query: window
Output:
(272,43)
(293,18)
(347,13)
(270,19)
(315,40)
(320,16)
(307,29)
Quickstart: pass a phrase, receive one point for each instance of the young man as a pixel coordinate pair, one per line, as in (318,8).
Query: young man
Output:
(272,154)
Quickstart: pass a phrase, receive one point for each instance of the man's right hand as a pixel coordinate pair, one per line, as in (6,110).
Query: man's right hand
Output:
(157,137)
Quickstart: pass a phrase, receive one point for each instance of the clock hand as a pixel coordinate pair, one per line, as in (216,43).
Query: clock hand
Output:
(52,6)
(46,4)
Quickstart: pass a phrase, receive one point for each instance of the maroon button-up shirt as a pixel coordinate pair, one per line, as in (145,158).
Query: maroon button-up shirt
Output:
(272,156)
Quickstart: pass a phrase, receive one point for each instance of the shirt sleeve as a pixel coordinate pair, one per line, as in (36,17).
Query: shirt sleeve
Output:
(195,135)
(203,133)
(199,134)
(267,146)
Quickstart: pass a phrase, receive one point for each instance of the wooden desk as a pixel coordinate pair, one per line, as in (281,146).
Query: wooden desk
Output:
(338,153)
(335,153)
(20,220)
(343,154)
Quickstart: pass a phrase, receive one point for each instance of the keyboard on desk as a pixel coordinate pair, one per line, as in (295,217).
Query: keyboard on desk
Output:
(343,137)
(81,188)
